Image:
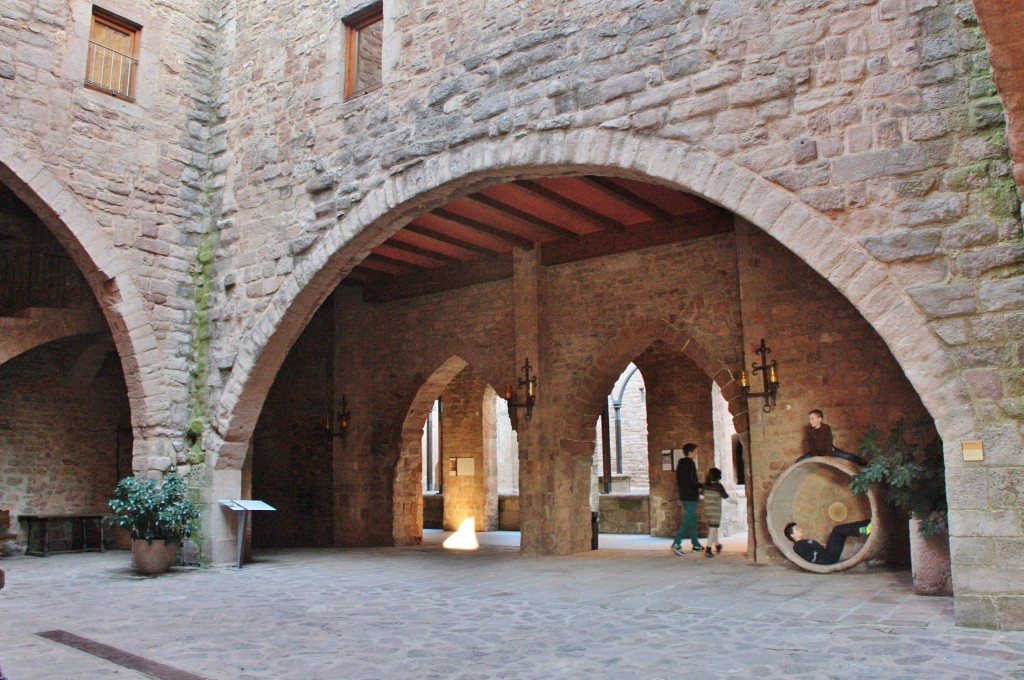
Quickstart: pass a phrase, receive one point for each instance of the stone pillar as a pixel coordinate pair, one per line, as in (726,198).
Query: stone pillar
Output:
(536,477)
(362,509)
(220,525)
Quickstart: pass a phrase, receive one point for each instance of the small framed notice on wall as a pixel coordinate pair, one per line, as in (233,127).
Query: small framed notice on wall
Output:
(666,460)
(974,450)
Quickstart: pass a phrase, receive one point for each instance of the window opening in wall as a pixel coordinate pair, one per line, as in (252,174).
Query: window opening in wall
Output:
(363,41)
(432,447)
(626,413)
(111,65)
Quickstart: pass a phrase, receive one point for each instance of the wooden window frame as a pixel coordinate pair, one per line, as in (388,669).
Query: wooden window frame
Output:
(354,23)
(133,30)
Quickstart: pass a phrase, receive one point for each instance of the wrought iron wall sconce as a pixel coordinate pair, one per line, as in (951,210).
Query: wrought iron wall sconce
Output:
(341,418)
(769,376)
(531,391)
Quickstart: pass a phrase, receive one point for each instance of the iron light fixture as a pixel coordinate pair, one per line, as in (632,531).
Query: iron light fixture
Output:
(769,376)
(341,418)
(531,388)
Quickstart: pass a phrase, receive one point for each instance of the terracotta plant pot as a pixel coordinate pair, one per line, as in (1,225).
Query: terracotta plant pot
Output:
(929,562)
(153,557)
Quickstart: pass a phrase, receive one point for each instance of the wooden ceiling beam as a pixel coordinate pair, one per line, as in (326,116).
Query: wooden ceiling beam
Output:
(583,211)
(387,265)
(469,223)
(653,233)
(439,280)
(495,206)
(428,232)
(610,188)
(422,252)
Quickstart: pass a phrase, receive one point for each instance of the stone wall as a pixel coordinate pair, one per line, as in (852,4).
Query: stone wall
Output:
(124,185)
(678,413)
(633,425)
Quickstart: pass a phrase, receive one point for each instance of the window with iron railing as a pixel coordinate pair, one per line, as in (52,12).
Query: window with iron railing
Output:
(111,65)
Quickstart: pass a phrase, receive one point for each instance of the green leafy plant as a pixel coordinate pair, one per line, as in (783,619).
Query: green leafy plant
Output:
(910,474)
(154,509)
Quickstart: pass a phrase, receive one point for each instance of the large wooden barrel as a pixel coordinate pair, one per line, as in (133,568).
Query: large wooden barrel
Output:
(815,493)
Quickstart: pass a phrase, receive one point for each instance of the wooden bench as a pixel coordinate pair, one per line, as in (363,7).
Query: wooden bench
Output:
(5,527)
(73,533)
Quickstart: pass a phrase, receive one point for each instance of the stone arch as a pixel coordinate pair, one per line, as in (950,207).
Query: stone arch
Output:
(636,335)
(103,267)
(816,239)
(43,326)
(408,494)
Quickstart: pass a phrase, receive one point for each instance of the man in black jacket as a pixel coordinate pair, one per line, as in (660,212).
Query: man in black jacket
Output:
(816,553)
(689,493)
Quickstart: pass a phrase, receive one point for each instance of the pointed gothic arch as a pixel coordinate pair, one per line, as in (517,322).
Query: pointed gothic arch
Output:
(104,270)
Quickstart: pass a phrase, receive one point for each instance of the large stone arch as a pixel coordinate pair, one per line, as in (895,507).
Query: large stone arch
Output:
(818,240)
(105,270)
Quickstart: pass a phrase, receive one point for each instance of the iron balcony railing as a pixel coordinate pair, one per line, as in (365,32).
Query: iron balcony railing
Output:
(111,71)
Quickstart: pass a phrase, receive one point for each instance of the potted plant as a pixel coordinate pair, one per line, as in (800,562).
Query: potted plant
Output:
(159,515)
(911,477)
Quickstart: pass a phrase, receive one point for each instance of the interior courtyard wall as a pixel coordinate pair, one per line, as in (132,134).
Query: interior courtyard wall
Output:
(59,430)
(292,445)
(875,116)
(362,483)
(633,415)
(385,354)
(829,358)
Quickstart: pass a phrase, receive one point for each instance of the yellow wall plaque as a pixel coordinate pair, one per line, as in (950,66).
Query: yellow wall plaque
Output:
(974,450)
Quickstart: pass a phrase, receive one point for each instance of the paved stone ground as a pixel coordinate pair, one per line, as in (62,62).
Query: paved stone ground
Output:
(424,612)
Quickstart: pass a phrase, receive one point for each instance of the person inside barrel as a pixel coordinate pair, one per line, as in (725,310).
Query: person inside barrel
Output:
(819,439)
(816,553)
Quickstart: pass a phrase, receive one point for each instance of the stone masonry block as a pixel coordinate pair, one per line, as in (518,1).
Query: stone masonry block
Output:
(975,551)
(1001,295)
(994,523)
(945,300)
(976,611)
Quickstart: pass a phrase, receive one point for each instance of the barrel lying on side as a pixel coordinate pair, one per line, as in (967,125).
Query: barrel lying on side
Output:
(815,493)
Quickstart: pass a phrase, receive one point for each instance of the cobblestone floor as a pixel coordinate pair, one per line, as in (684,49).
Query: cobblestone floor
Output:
(424,612)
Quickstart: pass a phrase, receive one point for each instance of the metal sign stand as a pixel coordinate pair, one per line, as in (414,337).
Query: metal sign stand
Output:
(244,507)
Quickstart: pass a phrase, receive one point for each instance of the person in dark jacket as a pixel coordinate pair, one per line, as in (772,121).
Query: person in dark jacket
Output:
(816,553)
(689,493)
(819,435)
